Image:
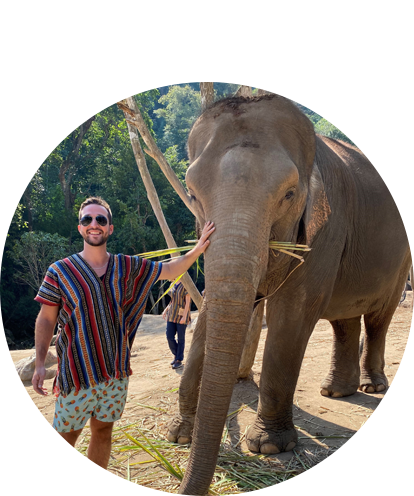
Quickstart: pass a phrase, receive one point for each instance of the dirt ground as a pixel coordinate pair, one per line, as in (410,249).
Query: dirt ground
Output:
(324,424)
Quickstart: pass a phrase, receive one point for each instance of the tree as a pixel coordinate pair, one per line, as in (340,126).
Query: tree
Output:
(34,253)
(207,94)
(10,212)
(181,107)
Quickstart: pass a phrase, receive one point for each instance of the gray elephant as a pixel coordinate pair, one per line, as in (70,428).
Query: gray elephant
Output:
(258,171)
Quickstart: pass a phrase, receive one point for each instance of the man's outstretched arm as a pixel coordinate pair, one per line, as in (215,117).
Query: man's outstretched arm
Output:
(45,325)
(171,270)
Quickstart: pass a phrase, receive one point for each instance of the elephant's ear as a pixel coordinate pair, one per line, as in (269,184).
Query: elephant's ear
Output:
(317,206)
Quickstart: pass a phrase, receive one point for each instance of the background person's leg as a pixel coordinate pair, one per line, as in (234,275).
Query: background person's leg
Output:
(59,460)
(99,448)
(181,341)
(172,343)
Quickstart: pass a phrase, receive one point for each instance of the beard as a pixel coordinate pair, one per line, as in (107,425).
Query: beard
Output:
(98,241)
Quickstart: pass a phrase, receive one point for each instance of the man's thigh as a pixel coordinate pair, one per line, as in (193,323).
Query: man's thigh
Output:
(105,402)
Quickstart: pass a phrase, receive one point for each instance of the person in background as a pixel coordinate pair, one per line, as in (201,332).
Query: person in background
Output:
(98,300)
(177,314)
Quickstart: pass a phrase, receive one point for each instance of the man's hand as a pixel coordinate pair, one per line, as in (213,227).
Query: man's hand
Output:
(37,381)
(203,242)
(177,266)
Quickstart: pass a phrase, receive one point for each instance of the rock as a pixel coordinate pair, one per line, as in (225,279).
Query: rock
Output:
(401,396)
(26,366)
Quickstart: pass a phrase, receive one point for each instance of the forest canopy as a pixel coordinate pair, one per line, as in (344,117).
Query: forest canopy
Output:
(96,159)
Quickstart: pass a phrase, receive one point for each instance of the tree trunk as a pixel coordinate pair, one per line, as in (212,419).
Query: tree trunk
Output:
(252,342)
(277,87)
(262,89)
(156,206)
(207,95)
(245,91)
(134,118)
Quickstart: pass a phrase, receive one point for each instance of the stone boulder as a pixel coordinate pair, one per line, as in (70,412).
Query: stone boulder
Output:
(25,367)
(400,397)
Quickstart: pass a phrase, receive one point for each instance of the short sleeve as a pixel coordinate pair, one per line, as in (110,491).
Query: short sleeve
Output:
(49,292)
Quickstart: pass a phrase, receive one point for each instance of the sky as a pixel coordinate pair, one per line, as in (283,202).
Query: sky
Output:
(394,87)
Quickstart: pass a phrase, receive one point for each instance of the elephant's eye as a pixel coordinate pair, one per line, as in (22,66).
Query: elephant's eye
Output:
(290,194)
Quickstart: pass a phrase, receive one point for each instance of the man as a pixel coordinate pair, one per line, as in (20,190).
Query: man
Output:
(98,300)
(177,314)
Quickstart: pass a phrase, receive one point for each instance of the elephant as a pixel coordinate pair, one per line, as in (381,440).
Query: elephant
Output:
(260,173)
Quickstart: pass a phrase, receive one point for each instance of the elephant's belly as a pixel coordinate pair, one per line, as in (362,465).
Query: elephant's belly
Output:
(344,305)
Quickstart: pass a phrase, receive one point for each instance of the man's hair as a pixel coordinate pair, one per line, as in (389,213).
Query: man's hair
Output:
(96,200)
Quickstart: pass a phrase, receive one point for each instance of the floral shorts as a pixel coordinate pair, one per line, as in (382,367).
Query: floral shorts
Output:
(105,402)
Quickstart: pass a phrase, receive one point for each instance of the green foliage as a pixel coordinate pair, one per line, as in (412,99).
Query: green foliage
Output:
(327,129)
(181,107)
(34,253)
(100,162)
(10,212)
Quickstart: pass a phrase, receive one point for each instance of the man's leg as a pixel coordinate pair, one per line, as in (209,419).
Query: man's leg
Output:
(59,460)
(99,448)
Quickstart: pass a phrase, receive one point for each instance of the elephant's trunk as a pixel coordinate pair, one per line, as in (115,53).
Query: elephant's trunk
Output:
(230,294)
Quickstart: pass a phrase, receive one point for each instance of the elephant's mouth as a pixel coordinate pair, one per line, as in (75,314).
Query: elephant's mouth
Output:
(258,299)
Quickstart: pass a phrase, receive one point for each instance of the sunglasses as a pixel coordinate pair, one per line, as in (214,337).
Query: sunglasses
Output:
(87,219)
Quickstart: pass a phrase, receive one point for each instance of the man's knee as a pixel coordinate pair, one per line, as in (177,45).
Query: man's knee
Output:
(101,428)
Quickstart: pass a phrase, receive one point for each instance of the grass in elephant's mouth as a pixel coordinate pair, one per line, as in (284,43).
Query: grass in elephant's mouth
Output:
(141,455)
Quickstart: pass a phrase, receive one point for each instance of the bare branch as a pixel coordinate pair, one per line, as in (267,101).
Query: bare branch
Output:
(138,122)
(244,91)
(207,95)
(156,206)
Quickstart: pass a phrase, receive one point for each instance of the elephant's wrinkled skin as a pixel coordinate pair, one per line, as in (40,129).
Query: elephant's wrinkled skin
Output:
(260,173)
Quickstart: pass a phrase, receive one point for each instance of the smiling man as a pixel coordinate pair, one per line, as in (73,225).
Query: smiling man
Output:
(98,300)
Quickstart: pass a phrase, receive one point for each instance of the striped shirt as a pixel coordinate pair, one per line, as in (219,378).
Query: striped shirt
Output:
(98,318)
(178,294)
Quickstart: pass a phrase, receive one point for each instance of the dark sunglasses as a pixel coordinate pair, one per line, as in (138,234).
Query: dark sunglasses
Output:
(87,219)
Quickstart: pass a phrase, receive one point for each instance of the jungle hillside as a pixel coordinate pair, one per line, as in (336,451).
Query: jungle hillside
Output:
(96,159)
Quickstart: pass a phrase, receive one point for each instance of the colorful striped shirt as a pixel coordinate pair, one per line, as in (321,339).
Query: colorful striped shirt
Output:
(98,319)
(178,294)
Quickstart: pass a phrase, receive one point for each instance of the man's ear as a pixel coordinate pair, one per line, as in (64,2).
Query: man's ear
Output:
(111,229)
(317,206)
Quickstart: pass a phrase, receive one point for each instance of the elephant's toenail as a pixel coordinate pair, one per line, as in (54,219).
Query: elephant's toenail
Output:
(171,438)
(290,446)
(380,387)
(269,449)
(183,440)
(324,392)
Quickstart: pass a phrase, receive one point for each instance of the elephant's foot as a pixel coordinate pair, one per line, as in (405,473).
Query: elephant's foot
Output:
(267,441)
(180,429)
(337,388)
(373,382)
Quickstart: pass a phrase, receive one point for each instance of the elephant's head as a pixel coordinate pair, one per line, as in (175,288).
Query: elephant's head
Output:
(252,171)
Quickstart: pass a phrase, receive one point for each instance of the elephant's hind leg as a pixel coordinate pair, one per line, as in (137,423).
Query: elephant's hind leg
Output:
(180,429)
(343,376)
(373,379)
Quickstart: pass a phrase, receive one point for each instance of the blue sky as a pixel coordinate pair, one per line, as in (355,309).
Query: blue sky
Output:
(394,87)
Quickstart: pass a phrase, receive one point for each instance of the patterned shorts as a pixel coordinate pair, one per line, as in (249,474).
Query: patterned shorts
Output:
(105,402)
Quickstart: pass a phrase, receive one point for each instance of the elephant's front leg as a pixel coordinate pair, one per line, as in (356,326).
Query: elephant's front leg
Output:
(288,333)
(180,429)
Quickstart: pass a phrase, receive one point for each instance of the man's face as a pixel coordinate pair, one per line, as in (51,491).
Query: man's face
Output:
(95,234)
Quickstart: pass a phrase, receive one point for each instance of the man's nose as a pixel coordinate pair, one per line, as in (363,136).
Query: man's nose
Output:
(94,222)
